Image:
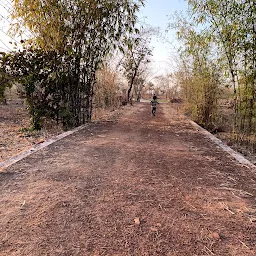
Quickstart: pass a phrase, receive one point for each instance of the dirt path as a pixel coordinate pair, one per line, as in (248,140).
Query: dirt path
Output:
(137,186)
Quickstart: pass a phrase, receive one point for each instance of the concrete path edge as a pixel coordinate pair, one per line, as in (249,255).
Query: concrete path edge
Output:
(237,156)
(38,147)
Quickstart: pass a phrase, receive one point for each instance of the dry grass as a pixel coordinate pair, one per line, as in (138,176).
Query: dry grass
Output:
(138,186)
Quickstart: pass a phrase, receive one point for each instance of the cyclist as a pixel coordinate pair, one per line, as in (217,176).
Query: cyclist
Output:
(154,102)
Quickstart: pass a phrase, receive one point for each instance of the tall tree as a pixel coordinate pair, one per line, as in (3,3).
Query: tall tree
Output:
(137,54)
(232,26)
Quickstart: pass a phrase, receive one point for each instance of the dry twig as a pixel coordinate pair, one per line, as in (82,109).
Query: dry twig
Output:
(208,250)
(244,244)
(227,208)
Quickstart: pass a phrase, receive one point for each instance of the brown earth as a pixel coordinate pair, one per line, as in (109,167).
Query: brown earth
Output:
(14,120)
(241,143)
(15,136)
(135,186)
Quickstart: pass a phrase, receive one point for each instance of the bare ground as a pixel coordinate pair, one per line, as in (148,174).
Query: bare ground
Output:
(14,120)
(15,136)
(135,186)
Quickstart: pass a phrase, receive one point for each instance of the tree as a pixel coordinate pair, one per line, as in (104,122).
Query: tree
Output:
(198,75)
(232,27)
(38,71)
(5,79)
(144,74)
(107,87)
(80,34)
(137,54)
(163,84)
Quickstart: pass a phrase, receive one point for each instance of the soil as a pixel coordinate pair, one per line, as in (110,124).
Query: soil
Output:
(15,136)
(243,144)
(135,185)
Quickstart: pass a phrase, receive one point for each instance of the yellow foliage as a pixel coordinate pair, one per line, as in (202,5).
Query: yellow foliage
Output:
(106,89)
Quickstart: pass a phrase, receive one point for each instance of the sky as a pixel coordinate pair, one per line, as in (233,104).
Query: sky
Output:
(5,8)
(157,13)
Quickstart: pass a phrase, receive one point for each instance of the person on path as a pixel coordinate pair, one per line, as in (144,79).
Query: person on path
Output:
(154,102)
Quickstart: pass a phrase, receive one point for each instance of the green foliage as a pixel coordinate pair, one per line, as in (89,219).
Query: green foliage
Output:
(198,75)
(5,80)
(200,90)
(58,68)
(36,71)
(67,25)
(229,28)
(232,28)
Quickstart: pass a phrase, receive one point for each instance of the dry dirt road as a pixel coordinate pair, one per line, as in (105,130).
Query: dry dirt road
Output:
(134,186)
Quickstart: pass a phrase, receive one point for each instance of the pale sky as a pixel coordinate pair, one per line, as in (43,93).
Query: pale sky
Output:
(155,13)
(5,7)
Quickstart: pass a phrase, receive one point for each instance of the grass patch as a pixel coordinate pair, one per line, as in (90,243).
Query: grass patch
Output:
(163,100)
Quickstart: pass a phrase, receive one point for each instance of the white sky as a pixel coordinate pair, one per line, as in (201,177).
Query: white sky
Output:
(155,13)
(4,25)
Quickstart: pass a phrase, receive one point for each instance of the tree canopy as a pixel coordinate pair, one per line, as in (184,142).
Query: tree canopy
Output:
(71,40)
(221,37)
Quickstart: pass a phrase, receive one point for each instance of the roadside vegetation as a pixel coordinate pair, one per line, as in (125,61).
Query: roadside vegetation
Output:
(63,67)
(217,70)
(83,57)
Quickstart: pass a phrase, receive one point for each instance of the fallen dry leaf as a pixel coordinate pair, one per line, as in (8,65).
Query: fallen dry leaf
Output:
(215,235)
(137,221)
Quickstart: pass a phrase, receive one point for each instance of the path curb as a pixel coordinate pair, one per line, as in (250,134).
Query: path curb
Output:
(38,147)
(237,156)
